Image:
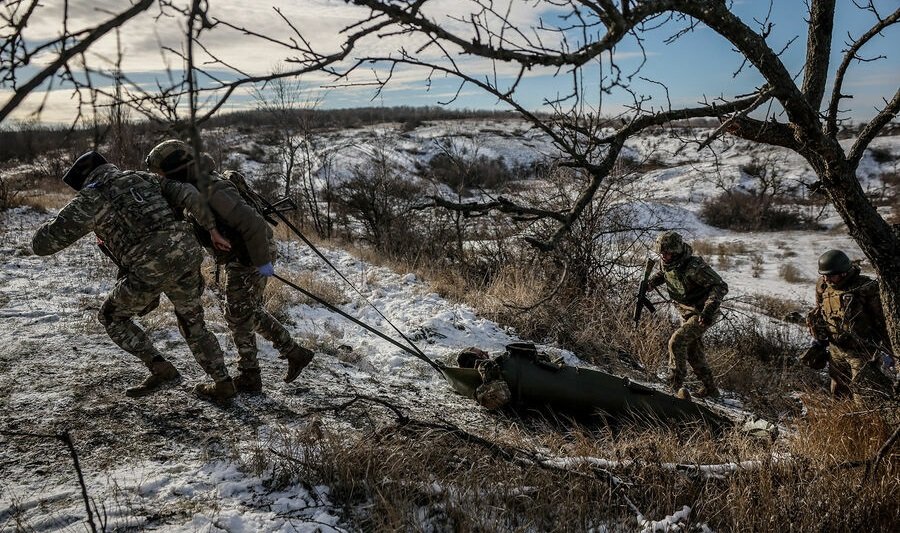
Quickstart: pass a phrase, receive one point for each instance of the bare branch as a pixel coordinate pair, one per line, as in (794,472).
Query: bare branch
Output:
(872,129)
(818,50)
(851,54)
(67,54)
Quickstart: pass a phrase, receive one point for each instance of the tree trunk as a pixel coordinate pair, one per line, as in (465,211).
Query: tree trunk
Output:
(877,239)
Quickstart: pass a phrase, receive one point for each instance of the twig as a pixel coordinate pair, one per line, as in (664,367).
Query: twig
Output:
(885,448)
(67,440)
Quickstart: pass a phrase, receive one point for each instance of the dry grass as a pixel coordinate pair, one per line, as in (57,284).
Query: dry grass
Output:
(776,307)
(44,201)
(38,191)
(279,297)
(791,274)
(434,477)
(726,252)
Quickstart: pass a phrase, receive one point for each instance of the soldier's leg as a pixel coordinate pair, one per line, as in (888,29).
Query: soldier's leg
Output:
(246,316)
(243,302)
(868,382)
(127,299)
(696,356)
(679,346)
(840,373)
(184,292)
(124,302)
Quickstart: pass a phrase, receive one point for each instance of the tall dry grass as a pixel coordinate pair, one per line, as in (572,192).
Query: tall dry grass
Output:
(540,477)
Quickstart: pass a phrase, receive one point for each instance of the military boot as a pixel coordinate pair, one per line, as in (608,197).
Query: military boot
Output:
(162,373)
(674,381)
(220,392)
(708,390)
(248,381)
(298,357)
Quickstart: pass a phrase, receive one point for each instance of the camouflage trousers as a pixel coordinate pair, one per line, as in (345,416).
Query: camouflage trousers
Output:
(853,374)
(134,291)
(246,315)
(686,346)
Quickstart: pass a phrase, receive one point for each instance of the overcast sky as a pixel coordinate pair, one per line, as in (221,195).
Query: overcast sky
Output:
(700,65)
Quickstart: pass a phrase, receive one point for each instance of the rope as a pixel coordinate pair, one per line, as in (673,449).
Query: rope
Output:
(418,353)
(360,323)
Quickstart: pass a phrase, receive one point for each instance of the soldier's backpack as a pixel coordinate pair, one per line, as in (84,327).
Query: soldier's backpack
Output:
(256,200)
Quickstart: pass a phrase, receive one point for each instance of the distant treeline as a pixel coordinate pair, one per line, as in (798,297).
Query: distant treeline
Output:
(353,117)
(26,142)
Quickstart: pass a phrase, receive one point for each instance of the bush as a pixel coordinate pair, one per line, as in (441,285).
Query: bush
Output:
(791,274)
(741,211)
(463,172)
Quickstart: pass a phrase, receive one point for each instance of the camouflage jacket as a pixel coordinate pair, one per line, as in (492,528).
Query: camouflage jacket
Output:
(849,314)
(251,237)
(692,284)
(131,214)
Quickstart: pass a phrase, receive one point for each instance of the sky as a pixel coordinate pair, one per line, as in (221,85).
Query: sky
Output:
(697,67)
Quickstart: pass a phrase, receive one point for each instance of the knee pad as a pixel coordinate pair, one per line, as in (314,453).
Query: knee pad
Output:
(105,315)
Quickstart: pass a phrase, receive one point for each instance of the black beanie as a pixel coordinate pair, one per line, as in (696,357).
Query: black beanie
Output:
(82,168)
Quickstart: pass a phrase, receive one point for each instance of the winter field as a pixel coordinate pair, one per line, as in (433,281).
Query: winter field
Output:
(286,461)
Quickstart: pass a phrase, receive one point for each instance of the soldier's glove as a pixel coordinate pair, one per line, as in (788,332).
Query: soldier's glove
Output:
(266,270)
(707,317)
(816,356)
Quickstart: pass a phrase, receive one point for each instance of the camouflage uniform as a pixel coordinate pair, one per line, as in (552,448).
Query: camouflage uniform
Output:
(697,291)
(131,214)
(849,319)
(252,245)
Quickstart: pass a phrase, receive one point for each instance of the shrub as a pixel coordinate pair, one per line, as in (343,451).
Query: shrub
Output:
(790,273)
(464,172)
(881,155)
(742,211)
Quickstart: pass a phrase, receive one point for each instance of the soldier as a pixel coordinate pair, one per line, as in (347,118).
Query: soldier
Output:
(697,291)
(131,216)
(248,265)
(849,321)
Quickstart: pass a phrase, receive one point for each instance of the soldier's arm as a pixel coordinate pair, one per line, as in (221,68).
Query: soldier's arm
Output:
(814,319)
(73,222)
(657,279)
(228,203)
(186,196)
(707,277)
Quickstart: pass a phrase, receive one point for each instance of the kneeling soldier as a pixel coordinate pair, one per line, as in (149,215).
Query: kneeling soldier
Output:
(848,319)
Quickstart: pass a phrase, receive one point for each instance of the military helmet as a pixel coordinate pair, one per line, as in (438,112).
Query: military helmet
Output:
(834,262)
(169,156)
(82,168)
(669,242)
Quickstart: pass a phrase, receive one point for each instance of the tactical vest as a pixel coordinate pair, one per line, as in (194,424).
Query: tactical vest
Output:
(844,310)
(682,285)
(134,208)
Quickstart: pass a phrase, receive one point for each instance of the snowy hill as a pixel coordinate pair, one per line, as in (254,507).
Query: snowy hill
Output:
(175,462)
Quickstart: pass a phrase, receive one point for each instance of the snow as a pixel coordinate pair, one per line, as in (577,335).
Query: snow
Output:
(175,463)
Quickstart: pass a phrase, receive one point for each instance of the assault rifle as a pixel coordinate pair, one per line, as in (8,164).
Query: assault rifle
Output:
(642,300)
(263,206)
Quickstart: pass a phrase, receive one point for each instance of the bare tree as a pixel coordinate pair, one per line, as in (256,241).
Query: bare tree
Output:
(20,55)
(801,117)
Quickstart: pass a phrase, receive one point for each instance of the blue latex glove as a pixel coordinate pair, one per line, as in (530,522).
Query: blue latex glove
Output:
(266,270)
